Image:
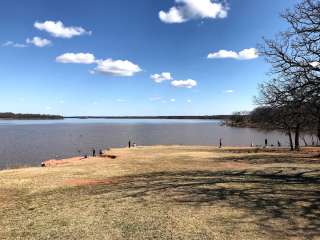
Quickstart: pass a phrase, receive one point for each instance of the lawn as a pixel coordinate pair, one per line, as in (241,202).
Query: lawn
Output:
(166,192)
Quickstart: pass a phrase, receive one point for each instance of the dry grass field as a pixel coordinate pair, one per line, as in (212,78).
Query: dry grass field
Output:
(166,192)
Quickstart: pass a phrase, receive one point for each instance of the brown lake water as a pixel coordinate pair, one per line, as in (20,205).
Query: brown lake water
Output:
(28,143)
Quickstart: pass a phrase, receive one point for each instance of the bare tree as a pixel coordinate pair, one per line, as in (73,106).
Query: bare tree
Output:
(274,119)
(294,56)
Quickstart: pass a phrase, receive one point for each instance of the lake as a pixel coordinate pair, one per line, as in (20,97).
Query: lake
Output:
(29,142)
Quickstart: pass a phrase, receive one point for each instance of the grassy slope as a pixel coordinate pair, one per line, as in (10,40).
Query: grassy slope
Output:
(166,193)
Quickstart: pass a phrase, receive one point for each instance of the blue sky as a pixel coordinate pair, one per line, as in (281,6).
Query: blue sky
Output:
(107,57)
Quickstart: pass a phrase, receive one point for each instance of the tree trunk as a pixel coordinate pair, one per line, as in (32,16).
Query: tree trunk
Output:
(297,137)
(290,140)
(305,141)
(318,133)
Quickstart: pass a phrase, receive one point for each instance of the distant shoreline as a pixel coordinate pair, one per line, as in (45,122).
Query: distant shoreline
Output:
(20,116)
(205,117)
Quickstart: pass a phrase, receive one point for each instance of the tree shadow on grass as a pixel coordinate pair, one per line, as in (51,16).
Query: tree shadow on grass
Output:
(273,198)
(272,158)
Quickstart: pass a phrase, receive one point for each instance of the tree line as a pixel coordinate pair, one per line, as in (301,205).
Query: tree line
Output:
(10,115)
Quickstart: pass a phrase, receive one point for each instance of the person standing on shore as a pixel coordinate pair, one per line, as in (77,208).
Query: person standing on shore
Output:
(93,152)
(129,144)
(279,143)
(266,142)
(220,143)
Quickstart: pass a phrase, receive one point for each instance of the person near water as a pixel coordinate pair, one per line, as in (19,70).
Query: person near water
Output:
(266,142)
(129,144)
(279,143)
(93,152)
(100,152)
(220,143)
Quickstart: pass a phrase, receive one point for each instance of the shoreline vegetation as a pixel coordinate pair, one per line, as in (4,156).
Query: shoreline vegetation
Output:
(266,118)
(166,192)
(27,116)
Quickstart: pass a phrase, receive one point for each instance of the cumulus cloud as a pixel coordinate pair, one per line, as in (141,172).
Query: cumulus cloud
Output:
(57,29)
(38,42)
(13,44)
(172,100)
(186,10)
(166,76)
(189,101)
(189,83)
(158,78)
(121,68)
(84,58)
(245,54)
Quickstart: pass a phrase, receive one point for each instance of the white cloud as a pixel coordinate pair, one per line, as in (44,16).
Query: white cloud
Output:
(245,54)
(315,64)
(223,54)
(194,9)
(121,68)
(174,15)
(48,108)
(13,44)
(57,29)
(189,101)
(84,58)
(189,83)
(172,100)
(120,100)
(158,78)
(229,91)
(166,76)
(39,42)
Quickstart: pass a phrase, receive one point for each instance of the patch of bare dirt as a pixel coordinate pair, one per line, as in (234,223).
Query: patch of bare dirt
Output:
(55,162)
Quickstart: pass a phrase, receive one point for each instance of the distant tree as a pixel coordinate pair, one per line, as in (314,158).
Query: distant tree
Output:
(275,118)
